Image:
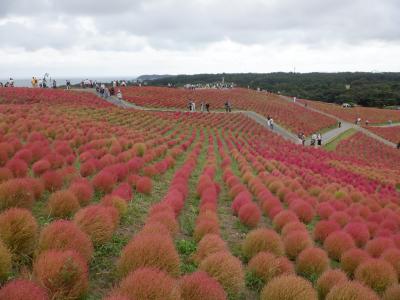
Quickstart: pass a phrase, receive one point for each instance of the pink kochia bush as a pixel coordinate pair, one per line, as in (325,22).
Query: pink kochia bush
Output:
(65,235)
(52,181)
(21,289)
(351,290)
(149,284)
(83,191)
(351,259)
(312,262)
(151,251)
(104,182)
(337,243)
(295,242)
(62,204)
(144,185)
(16,193)
(200,286)
(64,274)
(98,222)
(262,239)
(250,215)
(328,280)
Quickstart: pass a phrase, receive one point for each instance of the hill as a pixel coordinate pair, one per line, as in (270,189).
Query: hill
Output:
(366,89)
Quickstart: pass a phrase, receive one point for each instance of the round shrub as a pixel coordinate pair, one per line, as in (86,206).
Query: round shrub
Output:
(200,286)
(205,226)
(377,246)
(295,242)
(250,215)
(311,263)
(209,244)
(337,243)
(150,251)
(40,167)
(351,290)
(52,181)
(266,266)
(16,193)
(97,222)
(303,210)
(324,228)
(18,231)
(144,185)
(377,274)
(293,226)
(351,259)
(262,239)
(36,186)
(62,204)
(5,261)
(155,228)
(149,284)
(328,280)
(340,217)
(283,218)
(288,287)
(117,202)
(65,235)
(83,191)
(392,256)
(392,293)
(359,231)
(166,218)
(104,182)
(5,174)
(18,167)
(20,289)
(63,273)
(226,269)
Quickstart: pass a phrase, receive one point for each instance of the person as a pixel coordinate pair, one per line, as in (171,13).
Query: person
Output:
(366,122)
(68,84)
(339,124)
(119,94)
(229,106)
(54,84)
(303,139)
(294,99)
(1,84)
(398,145)
(11,82)
(359,121)
(40,82)
(193,106)
(202,106)
(112,91)
(313,139)
(271,124)
(190,105)
(33,82)
(319,139)
(390,122)
(208,107)
(226,106)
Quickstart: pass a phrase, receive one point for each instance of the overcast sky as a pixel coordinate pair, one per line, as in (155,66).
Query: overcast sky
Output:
(133,37)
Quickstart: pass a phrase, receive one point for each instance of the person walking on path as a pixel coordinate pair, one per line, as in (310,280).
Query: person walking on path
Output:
(229,106)
(193,106)
(208,107)
(271,124)
(339,124)
(226,106)
(189,105)
(119,95)
(319,139)
(366,123)
(313,139)
(202,106)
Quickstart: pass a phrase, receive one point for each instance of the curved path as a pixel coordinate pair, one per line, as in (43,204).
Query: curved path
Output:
(330,135)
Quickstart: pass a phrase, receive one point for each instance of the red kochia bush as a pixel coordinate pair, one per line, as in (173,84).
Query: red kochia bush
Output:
(392,293)
(166,218)
(5,261)
(262,239)
(104,182)
(63,273)
(288,287)
(62,204)
(52,181)
(97,222)
(20,289)
(283,218)
(328,280)
(65,235)
(377,274)
(18,167)
(205,226)
(250,215)
(392,256)
(226,269)
(312,262)
(5,174)
(351,290)
(267,266)
(16,193)
(295,242)
(149,250)
(359,231)
(377,246)
(200,286)
(83,191)
(124,191)
(351,259)
(324,228)
(209,244)
(18,230)
(40,167)
(144,185)
(293,226)
(303,210)
(116,202)
(149,284)
(337,243)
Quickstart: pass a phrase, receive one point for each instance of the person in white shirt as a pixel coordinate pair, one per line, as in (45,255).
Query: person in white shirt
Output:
(119,95)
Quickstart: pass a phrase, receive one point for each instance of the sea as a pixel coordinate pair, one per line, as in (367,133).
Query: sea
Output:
(26,82)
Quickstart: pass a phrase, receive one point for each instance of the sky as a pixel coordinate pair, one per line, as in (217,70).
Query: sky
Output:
(132,37)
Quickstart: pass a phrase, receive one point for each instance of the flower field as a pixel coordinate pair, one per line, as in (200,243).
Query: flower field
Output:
(390,133)
(373,115)
(289,115)
(98,202)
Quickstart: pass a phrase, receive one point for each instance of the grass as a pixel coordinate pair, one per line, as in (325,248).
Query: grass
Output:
(331,146)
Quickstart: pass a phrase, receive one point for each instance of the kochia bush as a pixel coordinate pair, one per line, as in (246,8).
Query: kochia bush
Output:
(351,290)
(262,239)
(200,286)
(337,243)
(312,262)
(16,193)
(328,280)
(62,204)
(21,289)
(5,261)
(288,287)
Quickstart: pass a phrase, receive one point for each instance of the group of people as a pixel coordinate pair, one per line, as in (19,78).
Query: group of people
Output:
(316,139)
(106,92)
(203,106)
(43,83)
(9,83)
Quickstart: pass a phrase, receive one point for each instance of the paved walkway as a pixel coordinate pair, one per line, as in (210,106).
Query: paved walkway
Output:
(330,135)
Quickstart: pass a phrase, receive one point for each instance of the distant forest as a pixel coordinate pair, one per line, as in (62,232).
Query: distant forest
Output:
(366,89)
